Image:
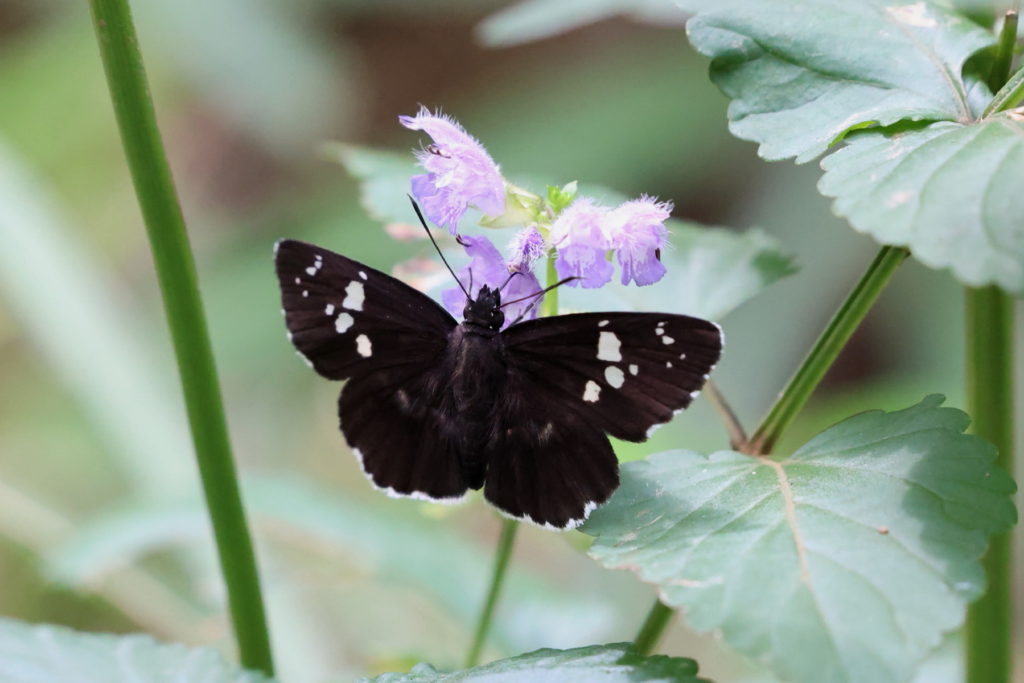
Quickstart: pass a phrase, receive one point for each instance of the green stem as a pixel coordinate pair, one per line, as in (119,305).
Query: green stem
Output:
(826,349)
(653,628)
(175,269)
(990,360)
(501,560)
(548,307)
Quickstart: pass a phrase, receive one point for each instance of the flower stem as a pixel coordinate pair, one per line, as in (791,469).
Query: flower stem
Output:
(509,527)
(175,269)
(653,628)
(827,348)
(989,629)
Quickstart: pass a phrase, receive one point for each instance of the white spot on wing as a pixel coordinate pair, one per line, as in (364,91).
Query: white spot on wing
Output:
(608,346)
(614,376)
(667,340)
(633,369)
(305,293)
(311,271)
(329,309)
(354,296)
(362,274)
(363,346)
(602,323)
(682,356)
(668,364)
(592,391)
(343,322)
(298,281)
(659,331)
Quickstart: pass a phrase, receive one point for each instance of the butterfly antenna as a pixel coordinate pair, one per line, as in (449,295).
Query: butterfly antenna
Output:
(505,284)
(423,222)
(541,292)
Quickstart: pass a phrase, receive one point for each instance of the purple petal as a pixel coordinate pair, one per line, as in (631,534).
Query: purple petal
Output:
(581,238)
(525,248)
(460,173)
(638,232)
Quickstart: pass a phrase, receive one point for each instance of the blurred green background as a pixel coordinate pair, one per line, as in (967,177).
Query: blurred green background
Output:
(100,525)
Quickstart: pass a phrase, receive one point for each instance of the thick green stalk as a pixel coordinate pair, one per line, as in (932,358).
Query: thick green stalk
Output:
(175,269)
(509,527)
(990,360)
(989,629)
(653,628)
(826,349)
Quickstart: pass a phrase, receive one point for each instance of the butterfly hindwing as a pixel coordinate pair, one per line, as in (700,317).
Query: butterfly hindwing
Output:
(546,462)
(397,421)
(627,372)
(346,318)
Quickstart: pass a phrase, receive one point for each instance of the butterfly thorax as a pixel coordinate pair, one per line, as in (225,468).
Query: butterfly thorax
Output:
(484,312)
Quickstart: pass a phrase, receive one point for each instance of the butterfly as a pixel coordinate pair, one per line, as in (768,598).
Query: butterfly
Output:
(433,407)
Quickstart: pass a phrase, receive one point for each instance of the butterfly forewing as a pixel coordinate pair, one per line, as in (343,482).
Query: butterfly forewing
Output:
(627,372)
(346,318)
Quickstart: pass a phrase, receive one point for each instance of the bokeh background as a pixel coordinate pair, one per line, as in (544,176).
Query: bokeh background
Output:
(100,522)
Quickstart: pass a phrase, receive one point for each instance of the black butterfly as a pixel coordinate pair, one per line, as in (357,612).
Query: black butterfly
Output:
(434,407)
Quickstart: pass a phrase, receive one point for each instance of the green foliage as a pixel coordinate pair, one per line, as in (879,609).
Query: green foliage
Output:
(801,74)
(804,74)
(846,561)
(609,663)
(950,192)
(403,548)
(54,654)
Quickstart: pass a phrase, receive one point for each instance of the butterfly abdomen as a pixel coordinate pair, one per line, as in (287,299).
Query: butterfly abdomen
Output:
(477,372)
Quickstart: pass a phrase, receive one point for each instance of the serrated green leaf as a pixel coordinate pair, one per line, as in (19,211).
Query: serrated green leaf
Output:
(710,271)
(801,73)
(609,663)
(54,654)
(846,561)
(949,192)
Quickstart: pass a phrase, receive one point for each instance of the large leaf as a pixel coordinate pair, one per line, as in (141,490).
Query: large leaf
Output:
(608,663)
(801,73)
(54,654)
(846,561)
(950,192)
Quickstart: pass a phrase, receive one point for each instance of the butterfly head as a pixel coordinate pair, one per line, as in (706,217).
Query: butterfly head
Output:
(485,309)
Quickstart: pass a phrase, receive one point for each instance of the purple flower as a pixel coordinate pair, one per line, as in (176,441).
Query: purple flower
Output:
(580,235)
(487,267)
(525,248)
(459,173)
(637,230)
